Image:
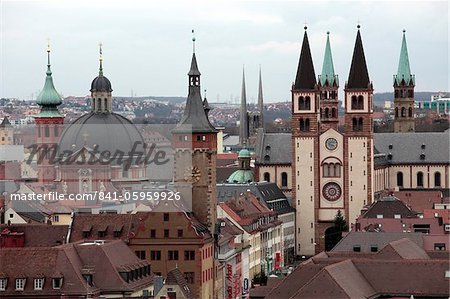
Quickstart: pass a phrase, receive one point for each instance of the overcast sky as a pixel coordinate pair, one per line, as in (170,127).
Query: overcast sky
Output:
(147,46)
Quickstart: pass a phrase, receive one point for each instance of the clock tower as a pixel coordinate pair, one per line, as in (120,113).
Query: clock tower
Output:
(194,141)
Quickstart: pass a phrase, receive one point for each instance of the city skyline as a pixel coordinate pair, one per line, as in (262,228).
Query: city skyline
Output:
(147,47)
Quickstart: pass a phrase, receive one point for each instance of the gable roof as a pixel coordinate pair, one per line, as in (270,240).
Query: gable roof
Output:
(388,207)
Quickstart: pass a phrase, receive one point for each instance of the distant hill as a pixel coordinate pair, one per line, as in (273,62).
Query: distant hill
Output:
(170,100)
(380,97)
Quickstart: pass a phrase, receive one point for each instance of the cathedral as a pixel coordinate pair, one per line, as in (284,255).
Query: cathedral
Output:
(329,167)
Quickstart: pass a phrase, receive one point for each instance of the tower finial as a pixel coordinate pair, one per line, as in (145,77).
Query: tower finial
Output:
(49,71)
(359,24)
(193,41)
(101,58)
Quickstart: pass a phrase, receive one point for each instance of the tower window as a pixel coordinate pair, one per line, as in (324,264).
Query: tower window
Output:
(360,102)
(396,111)
(354,102)
(420,179)
(266,176)
(410,112)
(304,125)
(333,113)
(284,179)
(400,179)
(403,112)
(437,179)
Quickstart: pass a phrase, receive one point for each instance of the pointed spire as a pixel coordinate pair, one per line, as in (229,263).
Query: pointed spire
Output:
(243,123)
(328,67)
(100,71)
(306,77)
(195,118)
(404,71)
(49,98)
(359,76)
(260,100)
(206,105)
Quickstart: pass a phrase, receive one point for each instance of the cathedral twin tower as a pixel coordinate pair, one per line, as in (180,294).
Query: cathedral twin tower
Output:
(332,170)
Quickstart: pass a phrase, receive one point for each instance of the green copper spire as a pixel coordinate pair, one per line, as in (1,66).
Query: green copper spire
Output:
(49,98)
(327,68)
(404,71)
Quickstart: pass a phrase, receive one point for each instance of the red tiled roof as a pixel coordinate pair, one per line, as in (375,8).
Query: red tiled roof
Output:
(40,235)
(69,261)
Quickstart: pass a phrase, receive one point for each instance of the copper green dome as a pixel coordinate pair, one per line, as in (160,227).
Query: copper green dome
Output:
(244,153)
(241,176)
(49,95)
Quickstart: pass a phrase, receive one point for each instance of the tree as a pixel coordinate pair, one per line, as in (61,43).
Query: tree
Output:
(339,222)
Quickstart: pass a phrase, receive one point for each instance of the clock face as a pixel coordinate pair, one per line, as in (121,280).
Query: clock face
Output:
(331,144)
(331,191)
(192,174)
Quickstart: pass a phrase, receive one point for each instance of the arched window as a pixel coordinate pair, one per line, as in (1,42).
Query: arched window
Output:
(400,179)
(355,124)
(333,113)
(437,179)
(302,125)
(330,169)
(403,112)
(47,131)
(307,103)
(420,179)
(410,93)
(106,105)
(337,170)
(325,170)
(284,179)
(410,113)
(266,158)
(360,102)
(396,111)
(354,102)
(266,176)
(327,112)
(301,103)
(307,124)
(396,94)
(99,104)
(360,124)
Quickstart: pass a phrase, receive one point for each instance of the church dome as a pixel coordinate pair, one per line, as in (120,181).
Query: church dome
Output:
(101,84)
(106,131)
(241,176)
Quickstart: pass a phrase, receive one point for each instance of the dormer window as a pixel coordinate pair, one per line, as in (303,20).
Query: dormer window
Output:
(38,283)
(88,278)
(422,156)
(56,283)
(423,146)
(3,283)
(391,146)
(20,284)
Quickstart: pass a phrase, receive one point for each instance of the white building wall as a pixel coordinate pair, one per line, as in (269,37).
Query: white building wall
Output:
(304,201)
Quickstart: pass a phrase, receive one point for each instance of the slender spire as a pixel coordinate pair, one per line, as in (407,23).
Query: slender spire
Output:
(243,123)
(260,100)
(328,67)
(206,105)
(306,77)
(404,71)
(100,72)
(358,77)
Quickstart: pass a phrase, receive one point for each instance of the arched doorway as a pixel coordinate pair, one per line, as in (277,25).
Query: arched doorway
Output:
(332,237)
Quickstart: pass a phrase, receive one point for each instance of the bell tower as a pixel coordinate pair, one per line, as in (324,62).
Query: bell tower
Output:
(194,140)
(305,137)
(404,83)
(358,137)
(49,125)
(328,85)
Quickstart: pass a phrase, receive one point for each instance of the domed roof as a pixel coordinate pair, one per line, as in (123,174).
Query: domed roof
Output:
(101,84)
(244,153)
(108,131)
(241,176)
